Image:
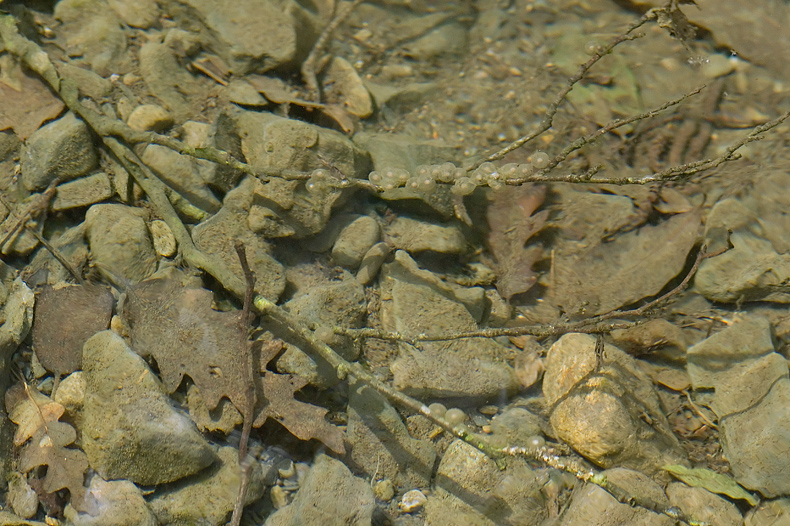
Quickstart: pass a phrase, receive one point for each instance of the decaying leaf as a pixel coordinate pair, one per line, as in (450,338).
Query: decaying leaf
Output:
(65,467)
(279,92)
(64,319)
(304,421)
(711,481)
(32,413)
(45,442)
(25,101)
(630,267)
(176,326)
(512,222)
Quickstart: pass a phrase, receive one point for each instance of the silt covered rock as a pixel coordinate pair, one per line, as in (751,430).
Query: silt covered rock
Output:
(120,242)
(330,494)
(130,430)
(208,498)
(751,386)
(62,149)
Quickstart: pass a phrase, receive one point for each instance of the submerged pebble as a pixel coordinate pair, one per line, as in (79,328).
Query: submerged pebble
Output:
(412,500)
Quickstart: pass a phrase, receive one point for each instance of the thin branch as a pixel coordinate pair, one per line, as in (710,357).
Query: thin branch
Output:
(345,368)
(39,206)
(542,175)
(309,65)
(155,189)
(595,325)
(245,464)
(548,117)
(581,469)
(111,131)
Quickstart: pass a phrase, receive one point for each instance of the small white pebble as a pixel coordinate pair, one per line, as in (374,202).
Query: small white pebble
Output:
(412,501)
(163,238)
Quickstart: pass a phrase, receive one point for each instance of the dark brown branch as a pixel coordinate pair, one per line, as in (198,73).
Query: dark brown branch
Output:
(309,65)
(542,175)
(245,464)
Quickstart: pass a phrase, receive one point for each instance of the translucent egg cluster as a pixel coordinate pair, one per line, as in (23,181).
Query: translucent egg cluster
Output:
(318,181)
(427,176)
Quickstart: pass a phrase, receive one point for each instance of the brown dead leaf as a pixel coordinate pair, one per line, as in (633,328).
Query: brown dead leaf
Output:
(304,421)
(512,221)
(45,444)
(630,267)
(65,467)
(25,102)
(178,328)
(64,319)
(278,92)
(27,415)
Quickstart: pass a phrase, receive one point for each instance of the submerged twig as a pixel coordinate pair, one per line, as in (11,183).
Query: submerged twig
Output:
(345,368)
(309,75)
(581,469)
(542,174)
(245,464)
(38,207)
(155,190)
(548,117)
(119,139)
(594,325)
(244,329)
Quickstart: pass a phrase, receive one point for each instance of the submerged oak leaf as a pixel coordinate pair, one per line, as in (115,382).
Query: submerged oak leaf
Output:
(176,326)
(304,421)
(512,221)
(45,441)
(32,413)
(65,467)
(25,101)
